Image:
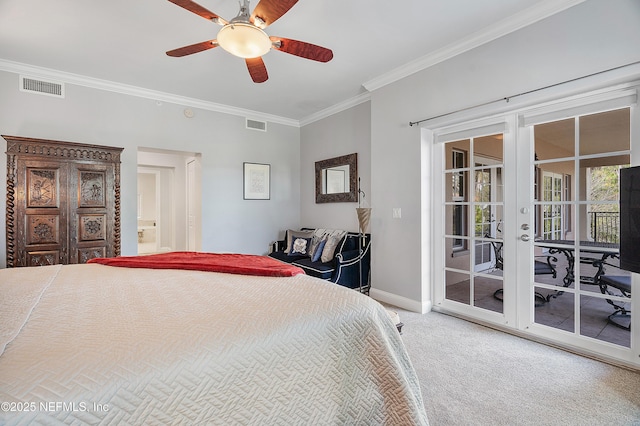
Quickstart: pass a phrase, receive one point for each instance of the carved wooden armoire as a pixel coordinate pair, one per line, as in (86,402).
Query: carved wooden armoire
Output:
(63,202)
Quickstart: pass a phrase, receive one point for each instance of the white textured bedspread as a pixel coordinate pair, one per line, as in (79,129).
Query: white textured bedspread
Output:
(94,344)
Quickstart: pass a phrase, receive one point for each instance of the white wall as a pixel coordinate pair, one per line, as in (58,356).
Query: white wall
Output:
(340,134)
(587,38)
(230,224)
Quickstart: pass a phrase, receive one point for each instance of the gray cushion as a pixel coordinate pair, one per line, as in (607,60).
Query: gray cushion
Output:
(330,246)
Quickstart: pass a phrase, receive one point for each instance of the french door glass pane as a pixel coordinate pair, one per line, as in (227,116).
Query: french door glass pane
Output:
(456,183)
(592,312)
(555,140)
(457,287)
(605,132)
(459,151)
(601,177)
(554,264)
(455,214)
(483,256)
(558,312)
(456,259)
(487,293)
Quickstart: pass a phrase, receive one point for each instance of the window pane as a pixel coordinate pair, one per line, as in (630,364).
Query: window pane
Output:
(458,287)
(455,219)
(498,186)
(557,313)
(555,221)
(456,153)
(549,268)
(484,255)
(482,185)
(594,320)
(483,220)
(555,140)
(489,147)
(601,177)
(487,293)
(456,183)
(457,257)
(605,132)
(554,258)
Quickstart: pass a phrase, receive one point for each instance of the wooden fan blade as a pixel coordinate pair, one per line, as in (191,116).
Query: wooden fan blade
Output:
(194,48)
(199,10)
(302,49)
(270,10)
(257,69)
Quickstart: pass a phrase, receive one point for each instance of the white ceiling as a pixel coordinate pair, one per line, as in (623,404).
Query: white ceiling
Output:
(120,45)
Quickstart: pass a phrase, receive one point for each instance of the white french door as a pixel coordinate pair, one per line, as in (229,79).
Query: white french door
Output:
(472,207)
(578,161)
(527,220)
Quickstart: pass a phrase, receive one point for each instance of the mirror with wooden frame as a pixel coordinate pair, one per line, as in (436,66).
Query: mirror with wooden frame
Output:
(336,179)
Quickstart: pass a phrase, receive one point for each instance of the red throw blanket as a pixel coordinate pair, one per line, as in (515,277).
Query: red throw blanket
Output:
(243,264)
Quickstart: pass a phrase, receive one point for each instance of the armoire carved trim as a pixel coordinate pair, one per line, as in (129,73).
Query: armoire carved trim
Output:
(63,201)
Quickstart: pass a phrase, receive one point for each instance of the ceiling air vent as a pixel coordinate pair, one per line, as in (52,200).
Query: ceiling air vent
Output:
(42,87)
(257,125)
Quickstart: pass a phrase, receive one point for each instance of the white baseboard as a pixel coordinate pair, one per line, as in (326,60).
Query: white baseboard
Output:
(402,302)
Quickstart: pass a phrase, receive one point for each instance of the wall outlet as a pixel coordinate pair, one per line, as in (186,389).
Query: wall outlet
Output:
(397,212)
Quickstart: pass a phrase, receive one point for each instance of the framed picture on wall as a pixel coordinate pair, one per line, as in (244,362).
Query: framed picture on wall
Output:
(257,181)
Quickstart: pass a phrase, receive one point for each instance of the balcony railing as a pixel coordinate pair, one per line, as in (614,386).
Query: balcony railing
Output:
(605,226)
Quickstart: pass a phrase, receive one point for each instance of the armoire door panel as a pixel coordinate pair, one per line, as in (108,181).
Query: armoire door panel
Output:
(93,211)
(42,187)
(92,227)
(42,208)
(85,254)
(92,188)
(42,258)
(63,202)
(43,229)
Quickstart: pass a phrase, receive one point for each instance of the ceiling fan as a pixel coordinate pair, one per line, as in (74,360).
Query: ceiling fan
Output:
(244,36)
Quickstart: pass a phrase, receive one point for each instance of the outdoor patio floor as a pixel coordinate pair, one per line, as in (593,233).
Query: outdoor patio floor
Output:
(558,311)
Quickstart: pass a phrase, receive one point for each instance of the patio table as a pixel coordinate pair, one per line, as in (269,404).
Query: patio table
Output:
(591,252)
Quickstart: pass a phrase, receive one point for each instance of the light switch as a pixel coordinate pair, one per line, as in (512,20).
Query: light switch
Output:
(397,212)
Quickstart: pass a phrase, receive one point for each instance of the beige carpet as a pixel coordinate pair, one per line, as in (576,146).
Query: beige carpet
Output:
(474,375)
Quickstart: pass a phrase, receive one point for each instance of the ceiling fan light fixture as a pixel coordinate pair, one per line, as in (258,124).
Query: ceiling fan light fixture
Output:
(244,40)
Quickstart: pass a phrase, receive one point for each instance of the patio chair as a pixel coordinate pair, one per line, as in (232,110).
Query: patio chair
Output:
(539,268)
(621,316)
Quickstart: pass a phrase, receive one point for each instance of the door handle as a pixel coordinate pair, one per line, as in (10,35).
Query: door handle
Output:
(525,237)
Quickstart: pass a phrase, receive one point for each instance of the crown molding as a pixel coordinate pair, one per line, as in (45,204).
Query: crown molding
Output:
(110,86)
(508,25)
(334,109)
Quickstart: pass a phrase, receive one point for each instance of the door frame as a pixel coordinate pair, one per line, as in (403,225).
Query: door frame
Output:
(518,299)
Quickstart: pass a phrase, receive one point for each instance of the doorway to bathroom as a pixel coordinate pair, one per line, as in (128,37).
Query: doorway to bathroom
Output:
(169,201)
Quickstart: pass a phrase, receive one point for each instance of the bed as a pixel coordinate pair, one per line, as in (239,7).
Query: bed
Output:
(99,344)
